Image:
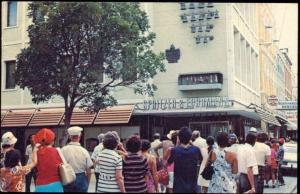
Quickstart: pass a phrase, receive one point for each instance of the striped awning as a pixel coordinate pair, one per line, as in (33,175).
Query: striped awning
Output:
(80,117)
(114,115)
(17,118)
(47,117)
(267,116)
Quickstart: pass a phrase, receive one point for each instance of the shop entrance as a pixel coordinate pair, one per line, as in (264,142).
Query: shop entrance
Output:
(210,128)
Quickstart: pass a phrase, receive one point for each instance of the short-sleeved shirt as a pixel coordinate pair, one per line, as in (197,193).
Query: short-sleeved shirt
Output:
(135,168)
(109,161)
(77,156)
(200,143)
(28,153)
(246,158)
(185,168)
(280,154)
(99,148)
(48,166)
(261,152)
(13,179)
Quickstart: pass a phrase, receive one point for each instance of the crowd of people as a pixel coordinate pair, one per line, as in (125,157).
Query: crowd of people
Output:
(179,162)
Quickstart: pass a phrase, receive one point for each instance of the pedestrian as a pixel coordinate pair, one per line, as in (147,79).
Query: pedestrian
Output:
(79,158)
(280,157)
(155,143)
(48,162)
(186,157)
(247,166)
(95,154)
(152,181)
(199,141)
(202,182)
(13,174)
(8,141)
(170,167)
(263,156)
(232,143)
(28,158)
(110,167)
(225,167)
(273,166)
(253,130)
(135,167)
(165,144)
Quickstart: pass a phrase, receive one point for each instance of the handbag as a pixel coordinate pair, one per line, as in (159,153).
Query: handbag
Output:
(163,176)
(66,172)
(208,171)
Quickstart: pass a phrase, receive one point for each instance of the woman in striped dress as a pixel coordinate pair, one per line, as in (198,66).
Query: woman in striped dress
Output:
(135,167)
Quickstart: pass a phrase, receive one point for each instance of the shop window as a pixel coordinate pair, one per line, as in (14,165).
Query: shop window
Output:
(210,128)
(10,82)
(91,143)
(207,78)
(11,13)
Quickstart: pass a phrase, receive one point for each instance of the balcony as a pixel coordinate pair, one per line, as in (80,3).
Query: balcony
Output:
(200,81)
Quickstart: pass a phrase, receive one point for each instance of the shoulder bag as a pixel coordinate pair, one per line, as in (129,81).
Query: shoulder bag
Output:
(66,172)
(208,171)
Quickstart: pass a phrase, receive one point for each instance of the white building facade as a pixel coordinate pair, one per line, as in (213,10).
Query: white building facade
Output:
(212,73)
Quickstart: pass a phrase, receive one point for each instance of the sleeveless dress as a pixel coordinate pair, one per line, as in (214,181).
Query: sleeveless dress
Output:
(222,180)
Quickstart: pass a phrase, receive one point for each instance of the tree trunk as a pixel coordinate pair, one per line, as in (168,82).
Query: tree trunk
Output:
(67,121)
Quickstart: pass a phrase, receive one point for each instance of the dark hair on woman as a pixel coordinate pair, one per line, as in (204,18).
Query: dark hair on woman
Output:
(251,138)
(164,137)
(110,141)
(146,145)
(185,135)
(133,144)
(262,137)
(210,140)
(174,137)
(222,139)
(28,141)
(12,158)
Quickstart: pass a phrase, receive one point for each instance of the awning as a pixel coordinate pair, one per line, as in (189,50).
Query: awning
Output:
(80,117)
(115,115)
(17,118)
(291,126)
(267,117)
(47,117)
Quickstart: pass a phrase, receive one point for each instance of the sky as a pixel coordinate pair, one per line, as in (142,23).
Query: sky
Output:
(286,16)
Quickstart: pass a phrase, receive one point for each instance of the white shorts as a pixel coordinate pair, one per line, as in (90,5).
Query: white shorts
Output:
(171,180)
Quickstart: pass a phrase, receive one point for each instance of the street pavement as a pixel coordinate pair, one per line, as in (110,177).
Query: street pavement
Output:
(289,187)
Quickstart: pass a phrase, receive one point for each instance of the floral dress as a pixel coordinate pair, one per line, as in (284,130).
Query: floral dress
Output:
(223,181)
(13,179)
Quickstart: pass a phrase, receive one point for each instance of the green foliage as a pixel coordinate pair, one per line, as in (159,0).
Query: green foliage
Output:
(73,43)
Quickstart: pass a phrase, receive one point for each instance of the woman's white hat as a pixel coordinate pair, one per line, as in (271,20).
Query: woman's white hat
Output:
(170,134)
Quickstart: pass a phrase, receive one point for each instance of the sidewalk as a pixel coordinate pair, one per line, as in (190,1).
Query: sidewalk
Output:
(289,187)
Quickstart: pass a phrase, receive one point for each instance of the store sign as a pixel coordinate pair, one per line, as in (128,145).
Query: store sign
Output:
(292,115)
(187,103)
(272,100)
(287,105)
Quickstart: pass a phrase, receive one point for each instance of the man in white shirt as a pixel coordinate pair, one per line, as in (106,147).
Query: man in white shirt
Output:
(263,155)
(199,141)
(233,144)
(94,156)
(156,142)
(247,165)
(79,158)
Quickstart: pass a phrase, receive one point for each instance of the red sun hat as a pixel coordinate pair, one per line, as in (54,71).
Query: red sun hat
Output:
(281,140)
(44,136)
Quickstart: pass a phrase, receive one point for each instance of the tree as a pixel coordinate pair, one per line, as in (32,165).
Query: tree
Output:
(72,44)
